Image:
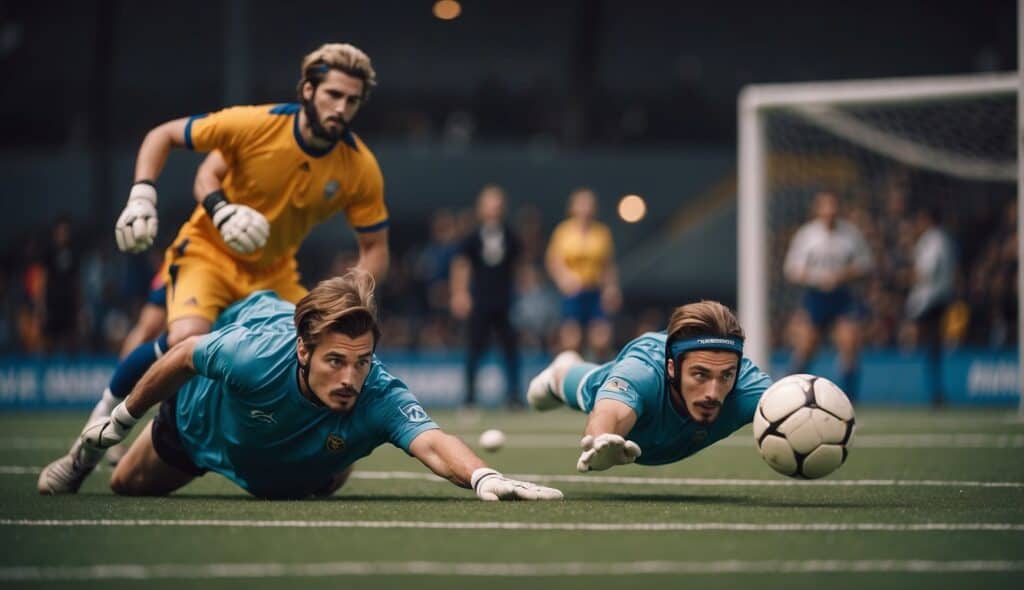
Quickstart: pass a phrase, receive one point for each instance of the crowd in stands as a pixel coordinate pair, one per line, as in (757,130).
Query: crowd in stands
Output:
(983,227)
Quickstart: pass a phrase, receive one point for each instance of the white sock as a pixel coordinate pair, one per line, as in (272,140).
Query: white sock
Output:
(104,407)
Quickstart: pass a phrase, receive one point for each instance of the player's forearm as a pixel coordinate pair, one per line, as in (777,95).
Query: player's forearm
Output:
(163,379)
(449,457)
(610,417)
(155,148)
(209,176)
(374,255)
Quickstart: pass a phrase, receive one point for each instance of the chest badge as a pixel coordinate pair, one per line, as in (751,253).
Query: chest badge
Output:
(334,443)
(331,189)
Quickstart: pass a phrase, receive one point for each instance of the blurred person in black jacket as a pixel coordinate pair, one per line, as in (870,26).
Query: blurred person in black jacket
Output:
(482,283)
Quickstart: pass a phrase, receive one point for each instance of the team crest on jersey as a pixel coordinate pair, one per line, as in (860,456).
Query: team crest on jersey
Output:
(331,189)
(699,437)
(415,413)
(335,443)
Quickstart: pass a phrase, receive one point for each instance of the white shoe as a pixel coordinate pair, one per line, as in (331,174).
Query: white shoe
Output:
(541,394)
(65,475)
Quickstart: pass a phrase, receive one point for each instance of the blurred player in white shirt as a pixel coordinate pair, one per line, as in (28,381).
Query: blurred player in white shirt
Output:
(826,255)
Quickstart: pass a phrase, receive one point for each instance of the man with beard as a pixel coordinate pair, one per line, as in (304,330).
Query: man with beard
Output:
(666,395)
(282,169)
(282,399)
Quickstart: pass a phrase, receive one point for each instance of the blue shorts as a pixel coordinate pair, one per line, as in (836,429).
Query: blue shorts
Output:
(158,296)
(825,308)
(584,307)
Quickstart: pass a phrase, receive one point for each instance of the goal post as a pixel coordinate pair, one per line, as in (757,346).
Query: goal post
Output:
(794,137)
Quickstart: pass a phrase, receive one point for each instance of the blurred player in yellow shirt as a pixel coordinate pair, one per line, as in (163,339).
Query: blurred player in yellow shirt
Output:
(281,170)
(581,260)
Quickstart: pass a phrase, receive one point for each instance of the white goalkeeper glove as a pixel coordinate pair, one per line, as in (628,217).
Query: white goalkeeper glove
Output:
(107,432)
(243,228)
(491,486)
(136,228)
(605,451)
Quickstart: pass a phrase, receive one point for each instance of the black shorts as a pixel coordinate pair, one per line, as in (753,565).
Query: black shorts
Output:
(167,442)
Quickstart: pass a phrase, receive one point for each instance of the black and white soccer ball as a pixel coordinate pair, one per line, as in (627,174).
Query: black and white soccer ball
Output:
(803,426)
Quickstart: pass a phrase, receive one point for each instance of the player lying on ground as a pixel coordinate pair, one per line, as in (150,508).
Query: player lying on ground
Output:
(282,400)
(666,395)
(274,172)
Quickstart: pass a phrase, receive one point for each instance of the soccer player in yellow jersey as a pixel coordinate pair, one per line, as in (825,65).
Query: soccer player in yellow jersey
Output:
(282,169)
(581,260)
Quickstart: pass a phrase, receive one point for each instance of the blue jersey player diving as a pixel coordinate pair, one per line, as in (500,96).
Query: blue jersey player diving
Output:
(666,396)
(282,399)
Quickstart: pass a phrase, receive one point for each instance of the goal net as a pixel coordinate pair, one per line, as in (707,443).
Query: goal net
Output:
(886,147)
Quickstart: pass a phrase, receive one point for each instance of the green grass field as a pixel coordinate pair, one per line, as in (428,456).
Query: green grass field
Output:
(926,499)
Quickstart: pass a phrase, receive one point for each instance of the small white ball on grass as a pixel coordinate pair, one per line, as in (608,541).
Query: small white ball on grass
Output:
(492,440)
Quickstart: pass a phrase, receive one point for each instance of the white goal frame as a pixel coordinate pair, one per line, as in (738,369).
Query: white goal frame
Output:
(812,100)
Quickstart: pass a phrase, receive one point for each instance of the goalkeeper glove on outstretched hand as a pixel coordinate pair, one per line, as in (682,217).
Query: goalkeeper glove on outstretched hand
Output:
(604,451)
(243,228)
(136,228)
(107,432)
(491,486)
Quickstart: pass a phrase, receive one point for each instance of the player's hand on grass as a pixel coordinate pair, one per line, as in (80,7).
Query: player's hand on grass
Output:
(243,228)
(605,451)
(107,432)
(490,485)
(136,228)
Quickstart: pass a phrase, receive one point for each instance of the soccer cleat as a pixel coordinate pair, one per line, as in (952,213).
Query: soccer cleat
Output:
(541,394)
(116,453)
(65,475)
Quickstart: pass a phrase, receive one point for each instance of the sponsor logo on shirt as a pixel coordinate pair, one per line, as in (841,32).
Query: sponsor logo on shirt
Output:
(415,413)
(261,416)
(334,443)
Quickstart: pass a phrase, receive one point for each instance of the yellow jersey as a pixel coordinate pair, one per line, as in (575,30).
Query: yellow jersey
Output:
(293,184)
(586,252)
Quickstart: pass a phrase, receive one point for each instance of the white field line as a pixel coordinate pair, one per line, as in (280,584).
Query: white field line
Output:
(529,526)
(649,481)
(560,441)
(697,481)
(439,568)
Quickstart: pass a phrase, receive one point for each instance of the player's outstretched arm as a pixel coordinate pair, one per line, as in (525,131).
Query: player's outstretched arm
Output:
(160,382)
(450,458)
(604,444)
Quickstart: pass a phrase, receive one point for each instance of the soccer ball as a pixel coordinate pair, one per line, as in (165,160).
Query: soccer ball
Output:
(803,426)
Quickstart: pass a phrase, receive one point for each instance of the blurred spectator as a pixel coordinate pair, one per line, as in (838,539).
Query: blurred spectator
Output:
(825,257)
(61,290)
(932,292)
(536,308)
(581,260)
(482,288)
(434,261)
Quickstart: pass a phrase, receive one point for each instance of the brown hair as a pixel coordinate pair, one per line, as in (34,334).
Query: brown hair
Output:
(704,318)
(342,304)
(337,56)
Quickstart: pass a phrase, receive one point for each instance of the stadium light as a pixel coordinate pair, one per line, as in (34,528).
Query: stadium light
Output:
(447,9)
(632,208)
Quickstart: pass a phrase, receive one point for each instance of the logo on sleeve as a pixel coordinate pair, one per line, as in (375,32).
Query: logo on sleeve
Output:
(615,384)
(334,443)
(415,413)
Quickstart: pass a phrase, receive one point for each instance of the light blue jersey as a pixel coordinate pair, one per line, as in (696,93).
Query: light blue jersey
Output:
(637,378)
(244,416)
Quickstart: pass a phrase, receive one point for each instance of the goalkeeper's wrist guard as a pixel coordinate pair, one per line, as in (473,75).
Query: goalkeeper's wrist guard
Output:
(480,474)
(213,203)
